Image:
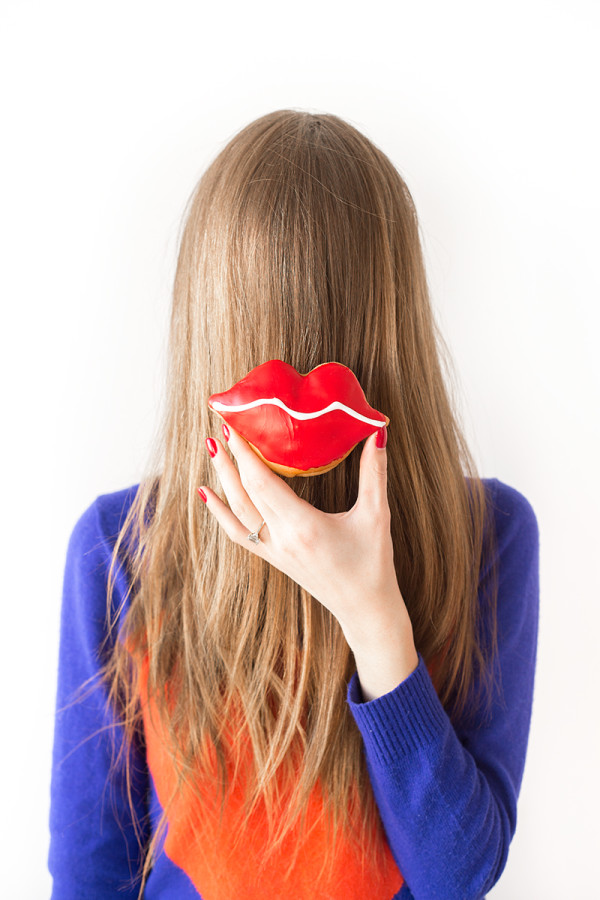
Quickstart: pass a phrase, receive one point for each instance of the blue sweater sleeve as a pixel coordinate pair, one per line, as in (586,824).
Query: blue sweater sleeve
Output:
(448,799)
(93,848)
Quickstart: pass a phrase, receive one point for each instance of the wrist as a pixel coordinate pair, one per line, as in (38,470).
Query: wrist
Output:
(384,658)
(390,630)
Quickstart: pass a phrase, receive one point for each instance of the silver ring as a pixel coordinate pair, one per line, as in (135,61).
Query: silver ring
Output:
(253,536)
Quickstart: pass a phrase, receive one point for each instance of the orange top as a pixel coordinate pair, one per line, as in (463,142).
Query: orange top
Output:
(195,843)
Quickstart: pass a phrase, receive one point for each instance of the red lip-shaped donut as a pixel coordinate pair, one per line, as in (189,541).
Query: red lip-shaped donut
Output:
(299,424)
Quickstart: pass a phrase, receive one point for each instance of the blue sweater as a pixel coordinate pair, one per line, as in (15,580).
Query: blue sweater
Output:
(447,798)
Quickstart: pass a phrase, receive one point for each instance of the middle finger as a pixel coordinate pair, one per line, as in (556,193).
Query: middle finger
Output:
(265,487)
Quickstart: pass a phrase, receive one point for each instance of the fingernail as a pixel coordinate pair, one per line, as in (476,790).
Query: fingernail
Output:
(202,494)
(212,446)
(381,439)
(225,432)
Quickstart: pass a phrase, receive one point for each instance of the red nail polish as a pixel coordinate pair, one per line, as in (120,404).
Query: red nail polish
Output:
(212,446)
(381,439)
(202,494)
(225,432)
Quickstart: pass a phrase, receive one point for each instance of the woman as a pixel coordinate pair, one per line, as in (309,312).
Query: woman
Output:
(342,708)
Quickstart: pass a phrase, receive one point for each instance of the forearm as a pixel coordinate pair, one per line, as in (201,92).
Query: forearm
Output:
(385,656)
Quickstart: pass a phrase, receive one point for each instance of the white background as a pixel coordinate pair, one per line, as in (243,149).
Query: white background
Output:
(110,113)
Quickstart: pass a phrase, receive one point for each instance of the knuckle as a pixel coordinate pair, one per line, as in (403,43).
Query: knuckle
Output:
(289,539)
(258,483)
(384,529)
(380,467)
(254,483)
(305,536)
(238,510)
(385,513)
(285,543)
(235,502)
(230,533)
(379,504)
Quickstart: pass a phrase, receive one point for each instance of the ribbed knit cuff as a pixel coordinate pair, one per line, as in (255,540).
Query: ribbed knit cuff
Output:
(405,720)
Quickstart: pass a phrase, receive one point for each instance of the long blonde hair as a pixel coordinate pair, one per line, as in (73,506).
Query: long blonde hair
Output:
(301,243)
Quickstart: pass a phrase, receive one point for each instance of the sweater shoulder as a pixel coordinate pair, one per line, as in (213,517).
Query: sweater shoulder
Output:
(516,549)
(514,515)
(111,509)
(90,549)
(98,525)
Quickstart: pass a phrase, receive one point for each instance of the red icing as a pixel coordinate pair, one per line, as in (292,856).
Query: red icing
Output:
(297,443)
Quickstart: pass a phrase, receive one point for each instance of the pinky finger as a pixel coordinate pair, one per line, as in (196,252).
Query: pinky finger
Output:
(230,523)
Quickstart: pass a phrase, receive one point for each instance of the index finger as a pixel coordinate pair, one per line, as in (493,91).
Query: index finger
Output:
(264,486)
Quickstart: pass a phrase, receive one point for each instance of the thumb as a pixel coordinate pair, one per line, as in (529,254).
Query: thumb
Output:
(372,488)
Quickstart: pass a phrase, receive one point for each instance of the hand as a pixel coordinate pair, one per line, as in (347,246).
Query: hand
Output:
(345,560)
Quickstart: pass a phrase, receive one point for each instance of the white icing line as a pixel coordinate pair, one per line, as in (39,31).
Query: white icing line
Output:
(295,414)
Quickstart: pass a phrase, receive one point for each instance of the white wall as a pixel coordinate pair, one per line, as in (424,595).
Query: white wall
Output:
(111,112)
